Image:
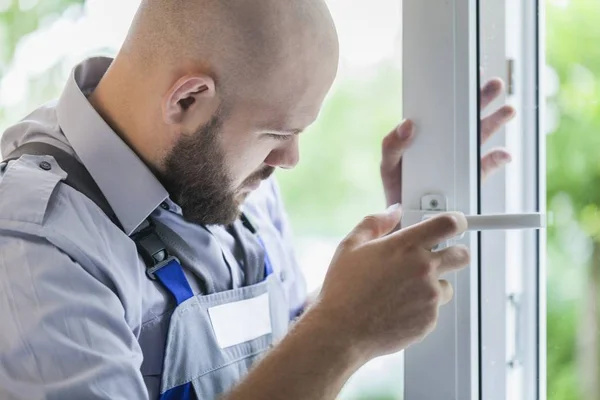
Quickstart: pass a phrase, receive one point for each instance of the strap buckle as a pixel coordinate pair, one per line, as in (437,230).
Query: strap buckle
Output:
(152,249)
(150,272)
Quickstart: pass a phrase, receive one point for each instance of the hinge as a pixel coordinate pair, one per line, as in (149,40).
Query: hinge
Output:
(516,359)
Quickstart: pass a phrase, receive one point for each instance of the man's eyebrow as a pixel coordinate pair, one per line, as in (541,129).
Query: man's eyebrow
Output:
(282,130)
(291,131)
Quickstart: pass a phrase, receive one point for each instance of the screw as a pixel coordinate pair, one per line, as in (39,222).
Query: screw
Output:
(434,203)
(45,165)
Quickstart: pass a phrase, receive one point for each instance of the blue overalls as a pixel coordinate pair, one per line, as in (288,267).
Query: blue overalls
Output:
(214,339)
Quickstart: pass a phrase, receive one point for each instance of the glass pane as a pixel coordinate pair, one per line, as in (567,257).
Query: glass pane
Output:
(510,259)
(337,180)
(495,329)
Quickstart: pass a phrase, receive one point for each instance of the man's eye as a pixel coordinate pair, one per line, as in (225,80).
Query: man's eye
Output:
(279,137)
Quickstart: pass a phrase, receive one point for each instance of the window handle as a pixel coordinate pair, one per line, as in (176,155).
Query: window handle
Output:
(432,205)
(497,222)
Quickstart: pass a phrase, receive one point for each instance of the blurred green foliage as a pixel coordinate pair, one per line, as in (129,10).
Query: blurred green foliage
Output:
(18,18)
(573,168)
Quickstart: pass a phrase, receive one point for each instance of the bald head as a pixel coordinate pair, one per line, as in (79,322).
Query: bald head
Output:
(212,94)
(238,42)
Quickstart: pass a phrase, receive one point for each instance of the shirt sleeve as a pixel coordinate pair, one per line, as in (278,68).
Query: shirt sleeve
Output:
(64,334)
(280,219)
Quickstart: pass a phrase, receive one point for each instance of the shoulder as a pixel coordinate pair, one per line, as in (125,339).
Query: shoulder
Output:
(27,186)
(34,200)
(35,203)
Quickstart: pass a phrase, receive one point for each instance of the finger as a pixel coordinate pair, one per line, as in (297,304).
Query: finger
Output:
(394,146)
(428,234)
(494,122)
(452,259)
(493,161)
(375,226)
(446,292)
(490,91)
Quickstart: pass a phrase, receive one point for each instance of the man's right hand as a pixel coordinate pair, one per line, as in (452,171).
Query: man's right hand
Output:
(383,290)
(381,294)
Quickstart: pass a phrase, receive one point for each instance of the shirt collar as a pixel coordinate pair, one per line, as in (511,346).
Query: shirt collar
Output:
(129,186)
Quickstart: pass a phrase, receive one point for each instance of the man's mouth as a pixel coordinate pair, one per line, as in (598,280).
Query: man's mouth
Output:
(254,181)
(254,184)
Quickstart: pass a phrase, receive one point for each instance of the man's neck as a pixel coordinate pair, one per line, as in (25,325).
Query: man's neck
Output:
(116,99)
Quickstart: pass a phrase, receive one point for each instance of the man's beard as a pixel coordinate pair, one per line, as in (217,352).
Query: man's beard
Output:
(197,179)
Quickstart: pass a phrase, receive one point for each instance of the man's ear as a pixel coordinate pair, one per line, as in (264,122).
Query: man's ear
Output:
(190,98)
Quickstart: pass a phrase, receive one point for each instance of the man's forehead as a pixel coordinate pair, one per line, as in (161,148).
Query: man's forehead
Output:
(287,120)
(283,114)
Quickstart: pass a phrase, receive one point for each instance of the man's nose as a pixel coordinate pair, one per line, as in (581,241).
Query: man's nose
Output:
(286,156)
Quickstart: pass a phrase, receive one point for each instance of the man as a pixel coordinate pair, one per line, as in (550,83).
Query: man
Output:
(172,275)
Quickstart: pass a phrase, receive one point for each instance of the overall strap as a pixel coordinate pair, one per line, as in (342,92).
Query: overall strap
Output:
(263,266)
(160,265)
(78,176)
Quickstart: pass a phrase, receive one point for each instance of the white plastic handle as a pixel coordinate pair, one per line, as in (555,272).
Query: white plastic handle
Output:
(500,222)
(493,222)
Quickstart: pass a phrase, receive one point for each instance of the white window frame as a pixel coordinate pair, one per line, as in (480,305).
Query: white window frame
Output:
(440,81)
(469,355)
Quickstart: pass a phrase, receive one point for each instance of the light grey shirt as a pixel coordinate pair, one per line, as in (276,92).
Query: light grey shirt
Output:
(80,318)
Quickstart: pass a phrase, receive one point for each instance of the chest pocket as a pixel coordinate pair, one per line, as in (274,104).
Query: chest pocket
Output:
(213,339)
(206,357)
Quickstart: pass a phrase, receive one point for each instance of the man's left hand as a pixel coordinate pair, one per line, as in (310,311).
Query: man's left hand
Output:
(396,142)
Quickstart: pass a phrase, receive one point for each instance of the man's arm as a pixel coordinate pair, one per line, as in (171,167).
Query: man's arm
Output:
(382,293)
(313,363)
(64,334)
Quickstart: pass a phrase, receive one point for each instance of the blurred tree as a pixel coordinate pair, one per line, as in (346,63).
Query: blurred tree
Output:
(574,174)
(20,17)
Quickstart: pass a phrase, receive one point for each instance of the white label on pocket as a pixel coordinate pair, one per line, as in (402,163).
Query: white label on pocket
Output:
(242,321)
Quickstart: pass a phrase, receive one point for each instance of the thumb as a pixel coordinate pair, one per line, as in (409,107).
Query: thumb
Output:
(376,225)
